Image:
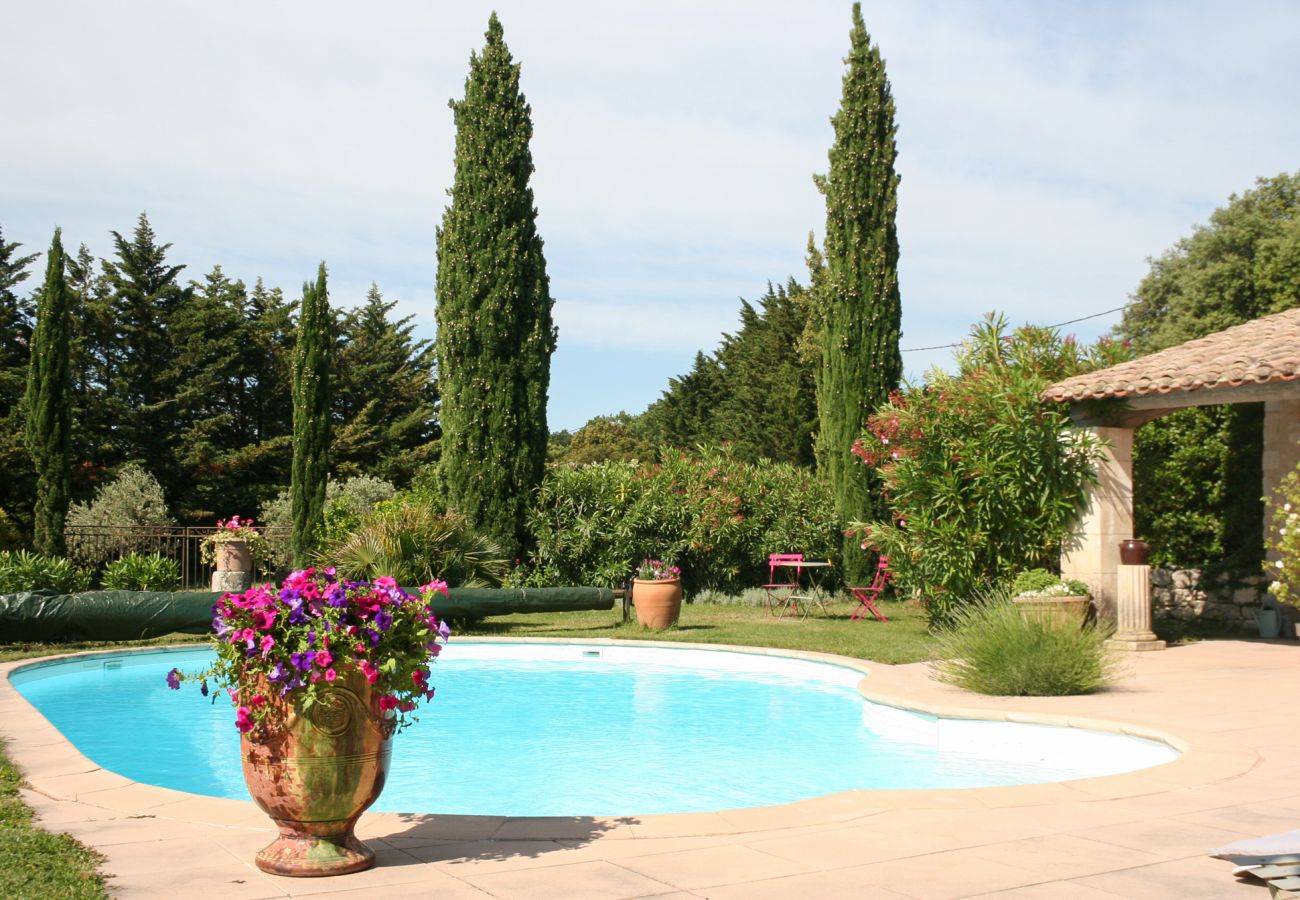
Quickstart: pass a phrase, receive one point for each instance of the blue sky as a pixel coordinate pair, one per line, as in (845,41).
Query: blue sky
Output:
(1046,150)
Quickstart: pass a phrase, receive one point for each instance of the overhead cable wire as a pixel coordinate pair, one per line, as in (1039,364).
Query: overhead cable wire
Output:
(1057,325)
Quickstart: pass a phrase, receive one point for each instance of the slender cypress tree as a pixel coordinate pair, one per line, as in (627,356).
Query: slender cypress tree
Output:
(311,418)
(495,336)
(49,398)
(856,284)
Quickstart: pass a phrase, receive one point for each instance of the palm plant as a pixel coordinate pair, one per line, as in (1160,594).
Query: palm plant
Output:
(415,544)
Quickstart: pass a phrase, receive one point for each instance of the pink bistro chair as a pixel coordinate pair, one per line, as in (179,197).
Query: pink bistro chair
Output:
(867,596)
(774,589)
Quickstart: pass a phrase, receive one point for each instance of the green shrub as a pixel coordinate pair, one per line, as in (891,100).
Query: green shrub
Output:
(1046,583)
(415,544)
(24,571)
(1284,540)
(347,502)
(11,537)
(990,648)
(120,515)
(982,477)
(138,572)
(717,516)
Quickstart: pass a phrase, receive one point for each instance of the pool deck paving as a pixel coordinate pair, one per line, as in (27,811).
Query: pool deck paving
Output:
(1228,705)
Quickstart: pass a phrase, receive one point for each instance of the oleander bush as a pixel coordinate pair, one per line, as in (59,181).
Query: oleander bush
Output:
(716,516)
(989,647)
(141,572)
(21,570)
(1284,540)
(982,477)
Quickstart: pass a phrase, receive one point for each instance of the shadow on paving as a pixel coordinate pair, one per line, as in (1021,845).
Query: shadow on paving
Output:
(445,838)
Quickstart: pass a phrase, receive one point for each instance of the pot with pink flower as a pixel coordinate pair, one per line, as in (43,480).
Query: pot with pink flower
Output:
(657,594)
(234,548)
(322,674)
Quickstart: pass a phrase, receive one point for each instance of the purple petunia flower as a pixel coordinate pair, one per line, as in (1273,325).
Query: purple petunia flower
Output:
(174,679)
(383,621)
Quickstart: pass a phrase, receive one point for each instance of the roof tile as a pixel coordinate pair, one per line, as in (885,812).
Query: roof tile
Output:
(1258,352)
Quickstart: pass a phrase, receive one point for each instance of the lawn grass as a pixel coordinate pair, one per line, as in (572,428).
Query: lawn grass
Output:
(34,863)
(904,638)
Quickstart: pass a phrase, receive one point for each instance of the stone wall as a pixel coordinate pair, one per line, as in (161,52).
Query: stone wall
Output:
(1187,595)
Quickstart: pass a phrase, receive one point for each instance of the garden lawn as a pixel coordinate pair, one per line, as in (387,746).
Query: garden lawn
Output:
(902,639)
(35,863)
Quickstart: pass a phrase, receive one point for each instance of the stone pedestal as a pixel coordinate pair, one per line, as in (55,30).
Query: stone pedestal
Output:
(1133,611)
(231,581)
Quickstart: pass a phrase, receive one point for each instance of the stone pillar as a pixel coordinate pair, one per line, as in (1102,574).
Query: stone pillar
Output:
(1133,604)
(1281,448)
(1091,554)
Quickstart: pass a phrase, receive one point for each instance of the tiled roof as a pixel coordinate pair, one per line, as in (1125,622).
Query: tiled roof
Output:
(1258,352)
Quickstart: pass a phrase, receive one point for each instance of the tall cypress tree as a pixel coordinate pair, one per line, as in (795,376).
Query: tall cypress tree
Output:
(49,411)
(311,418)
(495,336)
(856,284)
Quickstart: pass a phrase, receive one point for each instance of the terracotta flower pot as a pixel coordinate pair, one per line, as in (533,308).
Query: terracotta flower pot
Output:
(658,603)
(314,773)
(234,556)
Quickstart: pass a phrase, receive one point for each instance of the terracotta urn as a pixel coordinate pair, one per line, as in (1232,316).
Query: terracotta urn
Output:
(658,602)
(1134,552)
(234,556)
(314,772)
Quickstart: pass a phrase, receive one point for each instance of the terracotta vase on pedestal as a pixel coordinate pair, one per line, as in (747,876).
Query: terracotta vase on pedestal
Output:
(234,567)
(658,602)
(314,772)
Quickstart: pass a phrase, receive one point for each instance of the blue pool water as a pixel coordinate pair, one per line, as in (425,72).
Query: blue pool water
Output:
(520,729)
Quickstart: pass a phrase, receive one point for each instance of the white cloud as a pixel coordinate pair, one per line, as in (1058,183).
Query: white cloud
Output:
(1046,149)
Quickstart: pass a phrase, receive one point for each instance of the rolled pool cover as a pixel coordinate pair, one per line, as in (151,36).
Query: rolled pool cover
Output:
(130,615)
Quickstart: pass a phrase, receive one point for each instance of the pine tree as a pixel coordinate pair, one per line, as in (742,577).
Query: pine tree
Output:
(49,413)
(495,336)
(857,293)
(385,395)
(144,296)
(311,418)
(18,486)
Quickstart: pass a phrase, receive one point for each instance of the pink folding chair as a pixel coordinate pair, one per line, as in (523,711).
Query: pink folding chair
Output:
(867,596)
(774,588)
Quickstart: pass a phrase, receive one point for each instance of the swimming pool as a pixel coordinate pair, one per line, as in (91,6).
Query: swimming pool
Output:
(567,729)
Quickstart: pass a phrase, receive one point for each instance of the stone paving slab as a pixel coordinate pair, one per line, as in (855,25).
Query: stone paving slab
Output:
(1134,836)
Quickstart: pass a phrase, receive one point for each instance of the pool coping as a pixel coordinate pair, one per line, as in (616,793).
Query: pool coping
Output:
(55,769)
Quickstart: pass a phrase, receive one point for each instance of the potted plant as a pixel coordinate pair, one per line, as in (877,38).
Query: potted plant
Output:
(657,594)
(322,673)
(236,546)
(1045,596)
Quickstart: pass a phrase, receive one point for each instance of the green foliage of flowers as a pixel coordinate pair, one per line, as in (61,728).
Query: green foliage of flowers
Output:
(21,570)
(716,516)
(140,572)
(991,648)
(414,542)
(288,645)
(982,477)
(1044,583)
(119,516)
(1284,540)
